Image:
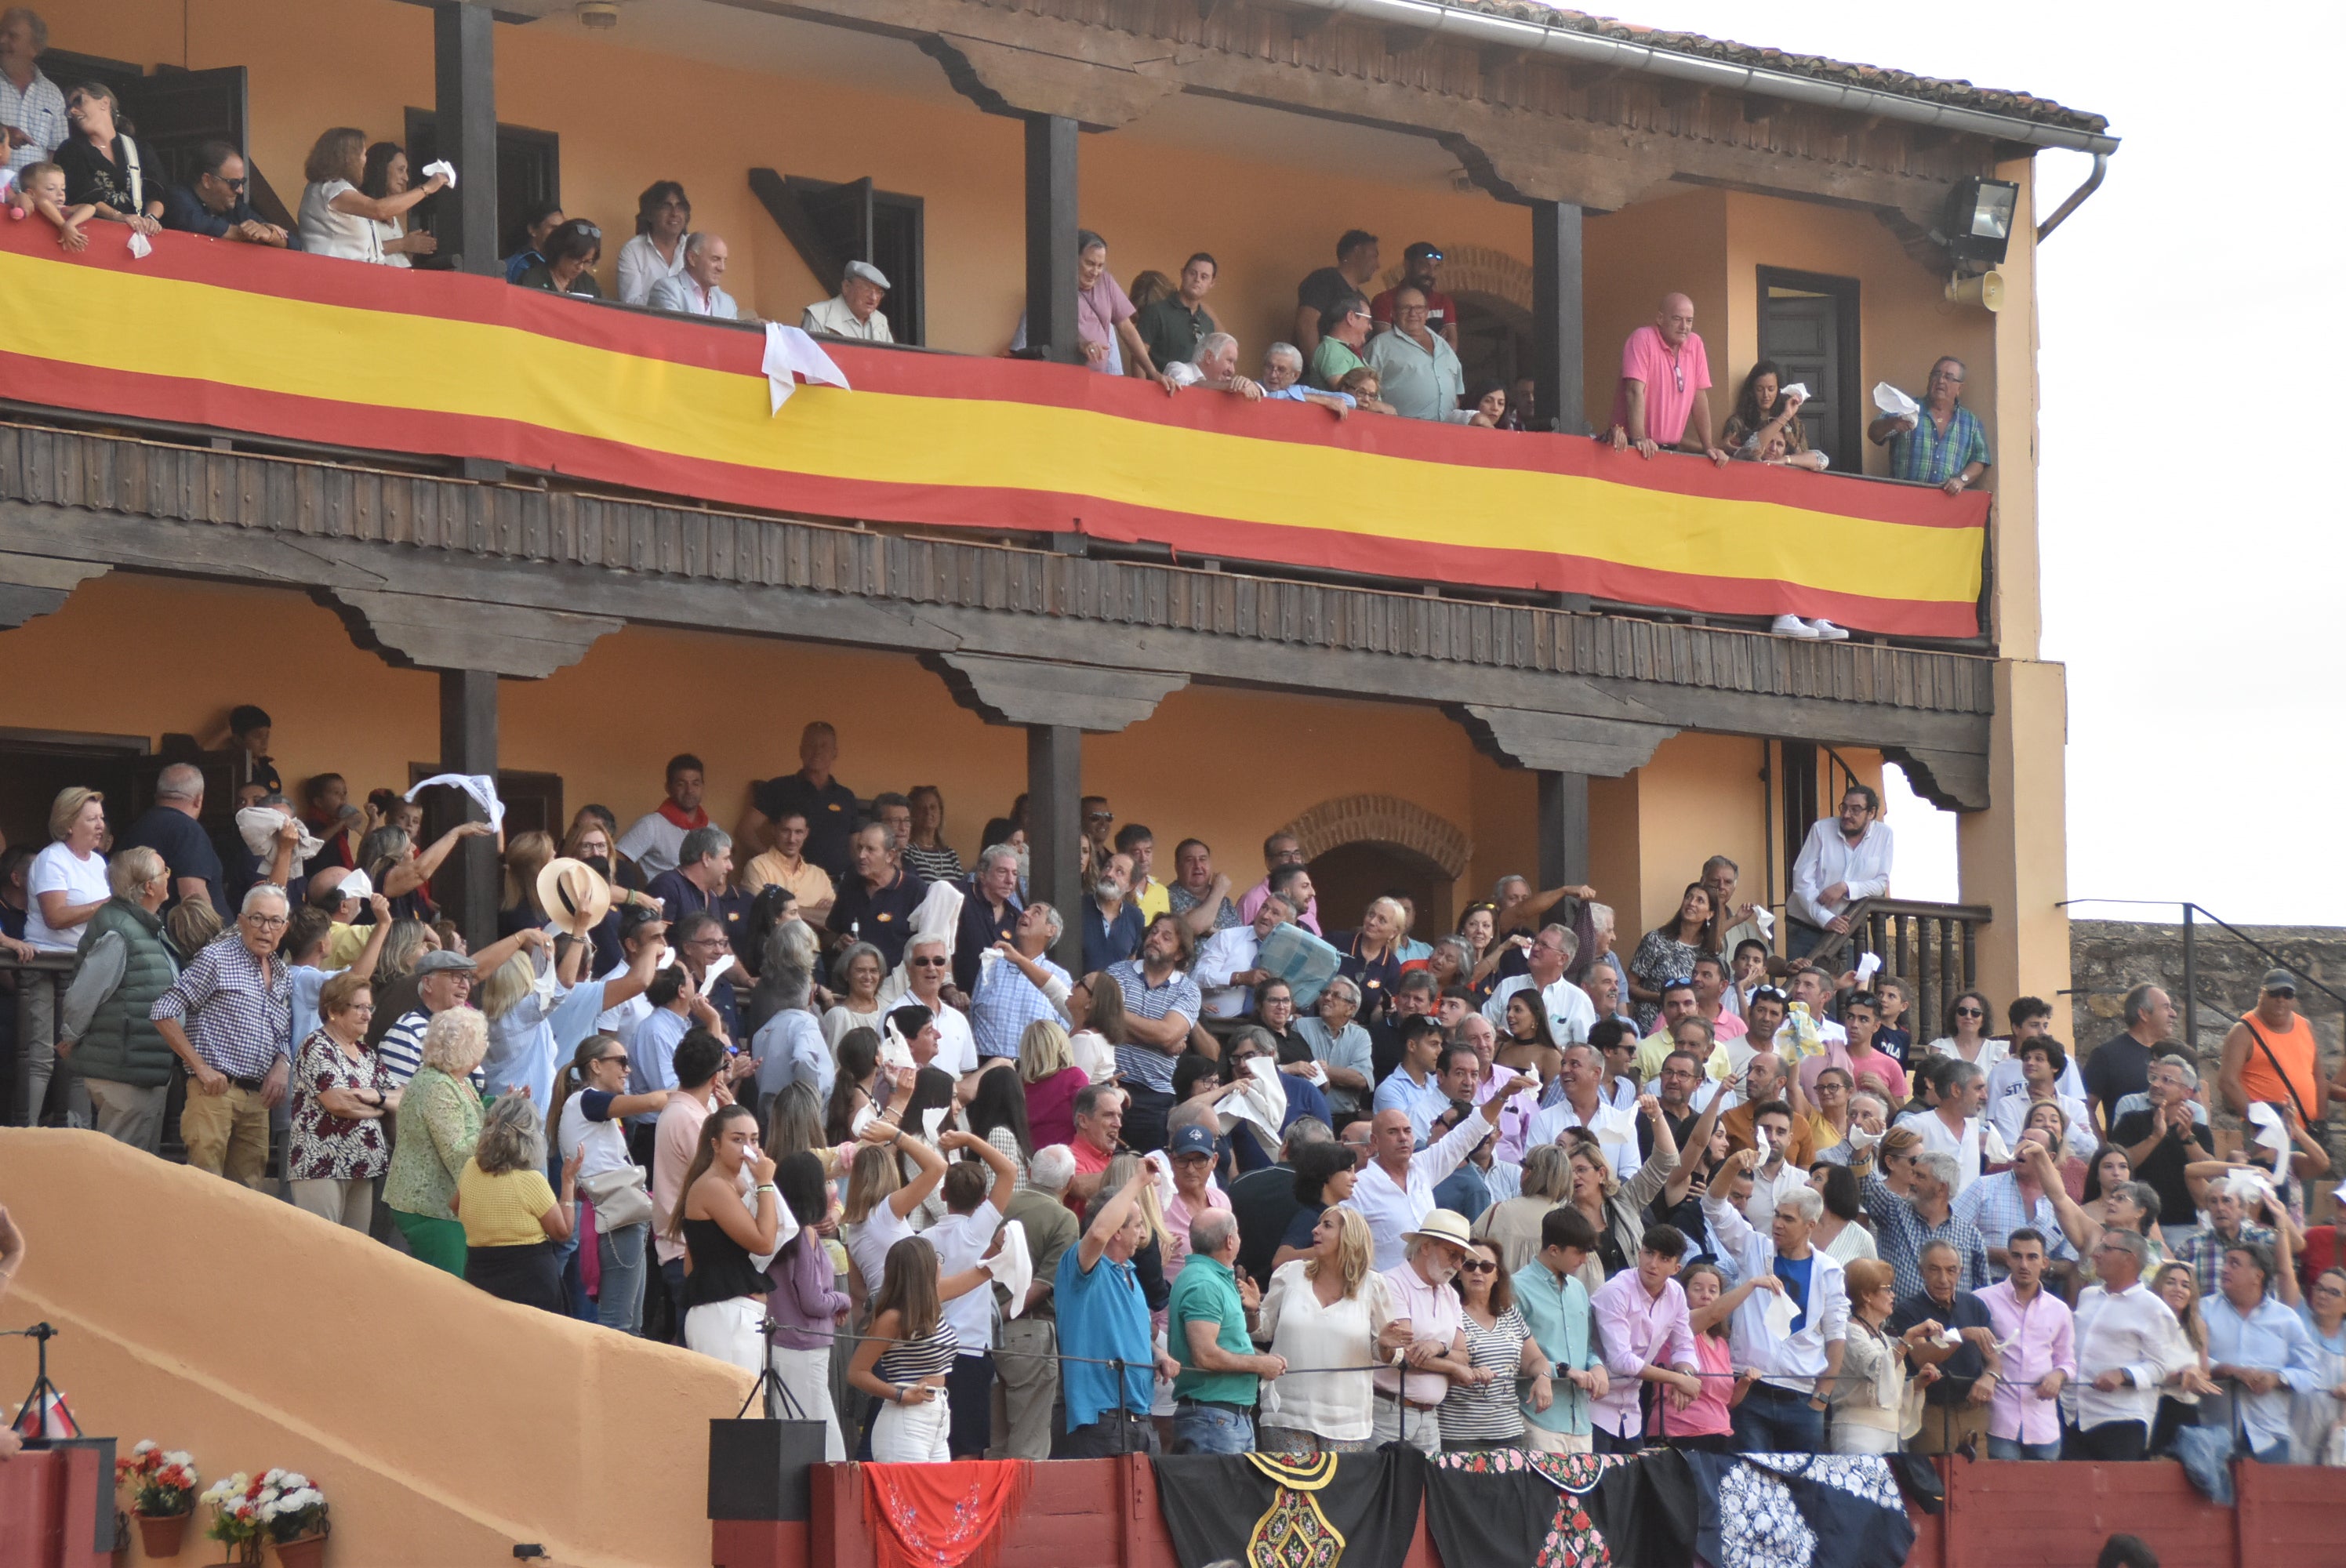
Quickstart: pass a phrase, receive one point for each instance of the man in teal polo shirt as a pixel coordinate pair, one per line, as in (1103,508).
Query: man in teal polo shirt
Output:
(1555,1307)
(1207,1318)
(1103,1321)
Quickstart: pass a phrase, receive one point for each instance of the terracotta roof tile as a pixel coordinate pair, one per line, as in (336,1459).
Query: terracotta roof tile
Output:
(1903,84)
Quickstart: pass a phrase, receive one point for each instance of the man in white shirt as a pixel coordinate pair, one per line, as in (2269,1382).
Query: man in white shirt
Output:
(1570,1013)
(854,311)
(1578,1101)
(972,1215)
(638,928)
(1213,365)
(694,292)
(2128,1342)
(1394,1191)
(2009,1101)
(927,965)
(1784,1411)
(1844,860)
(653,839)
(1226,972)
(1953,1126)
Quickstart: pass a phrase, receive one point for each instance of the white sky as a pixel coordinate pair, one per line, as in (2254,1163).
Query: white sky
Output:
(2190,545)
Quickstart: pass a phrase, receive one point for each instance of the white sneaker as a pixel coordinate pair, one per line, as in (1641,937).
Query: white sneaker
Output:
(1825,631)
(1793,626)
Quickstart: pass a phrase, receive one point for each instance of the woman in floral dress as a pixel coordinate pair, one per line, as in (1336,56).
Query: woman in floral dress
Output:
(341,1093)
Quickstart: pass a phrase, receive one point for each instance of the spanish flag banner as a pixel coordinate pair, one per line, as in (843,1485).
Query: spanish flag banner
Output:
(243,338)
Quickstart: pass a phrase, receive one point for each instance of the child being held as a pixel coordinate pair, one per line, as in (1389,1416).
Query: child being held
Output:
(41,187)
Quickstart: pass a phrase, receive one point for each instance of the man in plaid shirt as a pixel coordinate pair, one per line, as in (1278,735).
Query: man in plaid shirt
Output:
(1010,995)
(1946,446)
(229,1017)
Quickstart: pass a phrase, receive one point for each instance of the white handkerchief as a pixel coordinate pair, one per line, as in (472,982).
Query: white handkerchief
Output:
(544,987)
(1779,1314)
(1259,1098)
(717,971)
(2248,1183)
(479,786)
(440,165)
(1161,1169)
(1951,1337)
(1893,402)
(259,826)
(2270,1132)
(895,1052)
(141,249)
(1798,390)
(667,956)
(1867,964)
(930,1120)
(1012,1267)
(789,353)
(1991,1143)
(861,1119)
(357,885)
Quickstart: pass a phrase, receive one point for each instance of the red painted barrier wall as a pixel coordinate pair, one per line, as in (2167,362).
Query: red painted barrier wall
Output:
(48,1507)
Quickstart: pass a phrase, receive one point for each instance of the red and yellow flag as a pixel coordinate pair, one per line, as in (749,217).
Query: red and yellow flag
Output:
(308,347)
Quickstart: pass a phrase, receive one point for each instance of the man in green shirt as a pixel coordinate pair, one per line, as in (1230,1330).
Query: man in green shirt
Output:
(1205,1322)
(1343,331)
(1555,1305)
(1171,326)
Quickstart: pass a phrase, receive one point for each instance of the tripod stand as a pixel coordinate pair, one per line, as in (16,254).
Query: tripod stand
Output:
(778,1396)
(36,1403)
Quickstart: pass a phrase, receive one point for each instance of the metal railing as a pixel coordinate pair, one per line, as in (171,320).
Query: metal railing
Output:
(1931,947)
(2189,1002)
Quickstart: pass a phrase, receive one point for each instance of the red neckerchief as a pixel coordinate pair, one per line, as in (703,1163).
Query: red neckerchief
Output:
(699,819)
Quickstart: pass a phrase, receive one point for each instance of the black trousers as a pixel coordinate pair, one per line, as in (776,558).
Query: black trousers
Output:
(2112,1441)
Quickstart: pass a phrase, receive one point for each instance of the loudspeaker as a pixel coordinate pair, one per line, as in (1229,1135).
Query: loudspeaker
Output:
(758,1468)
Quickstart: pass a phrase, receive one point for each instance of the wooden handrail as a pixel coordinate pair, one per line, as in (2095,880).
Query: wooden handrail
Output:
(1927,945)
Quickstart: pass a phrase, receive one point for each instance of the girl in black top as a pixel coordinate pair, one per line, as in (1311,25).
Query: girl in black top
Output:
(725,1291)
(103,166)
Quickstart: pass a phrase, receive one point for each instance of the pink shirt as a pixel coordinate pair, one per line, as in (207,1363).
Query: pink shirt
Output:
(1097,311)
(1637,1331)
(1673,381)
(1837,1055)
(1434,1313)
(2034,1340)
(677,1136)
(1706,1417)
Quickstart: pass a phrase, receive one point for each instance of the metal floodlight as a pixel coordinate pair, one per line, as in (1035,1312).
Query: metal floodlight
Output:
(1979,214)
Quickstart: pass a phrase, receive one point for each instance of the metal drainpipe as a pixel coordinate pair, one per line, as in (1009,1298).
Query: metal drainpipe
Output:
(2077,198)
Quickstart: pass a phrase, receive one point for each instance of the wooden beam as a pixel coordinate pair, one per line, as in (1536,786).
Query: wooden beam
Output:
(1054,790)
(1493,58)
(465,114)
(1407,40)
(468,744)
(1032,691)
(1558,370)
(1051,238)
(1563,829)
(1587,78)
(1759,107)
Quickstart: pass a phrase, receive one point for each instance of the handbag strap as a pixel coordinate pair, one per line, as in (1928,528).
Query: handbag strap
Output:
(2278,1071)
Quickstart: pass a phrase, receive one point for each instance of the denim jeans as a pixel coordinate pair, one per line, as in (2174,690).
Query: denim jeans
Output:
(1774,1420)
(1205,1429)
(2012,1448)
(620,1304)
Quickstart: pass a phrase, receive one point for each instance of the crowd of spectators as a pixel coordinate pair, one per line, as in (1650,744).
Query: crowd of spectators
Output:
(773,1092)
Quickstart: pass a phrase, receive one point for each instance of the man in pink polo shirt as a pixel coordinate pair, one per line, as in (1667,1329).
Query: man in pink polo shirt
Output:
(1664,373)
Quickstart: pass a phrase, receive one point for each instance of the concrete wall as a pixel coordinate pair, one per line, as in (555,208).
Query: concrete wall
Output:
(443,1426)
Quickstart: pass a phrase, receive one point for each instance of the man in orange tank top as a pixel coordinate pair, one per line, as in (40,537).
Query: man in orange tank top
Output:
(2270,1056)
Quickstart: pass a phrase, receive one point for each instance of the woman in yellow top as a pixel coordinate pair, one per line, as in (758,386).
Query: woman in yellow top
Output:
(512,1218)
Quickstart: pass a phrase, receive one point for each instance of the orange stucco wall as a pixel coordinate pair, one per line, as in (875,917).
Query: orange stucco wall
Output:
(443,1426)
(607,723)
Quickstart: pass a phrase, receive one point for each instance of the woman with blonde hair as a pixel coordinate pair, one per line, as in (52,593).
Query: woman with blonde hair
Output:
(1512,1225)
(725,1236)
(66,885)
(1371,960)
(439,1124)
(2178,1285)
(1046,1066)
(1329,1309)
(1615,1209)
(403,944)
(403,874)
(906,1352)
(879,1203)
(534,1027)
(512,1218)
(341,1093)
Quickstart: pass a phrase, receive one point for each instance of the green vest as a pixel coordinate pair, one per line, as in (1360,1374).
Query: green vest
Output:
(121,1044)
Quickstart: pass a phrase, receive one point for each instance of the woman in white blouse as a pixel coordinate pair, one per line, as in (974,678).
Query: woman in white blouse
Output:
(663,218)
(387,177)
(65,886)
(1328,1309)
(337,218)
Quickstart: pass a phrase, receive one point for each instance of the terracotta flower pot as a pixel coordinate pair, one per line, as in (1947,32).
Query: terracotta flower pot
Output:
(309,1551)
(161,1534)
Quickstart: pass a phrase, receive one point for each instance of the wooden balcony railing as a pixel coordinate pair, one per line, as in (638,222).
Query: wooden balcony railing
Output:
(1929,946)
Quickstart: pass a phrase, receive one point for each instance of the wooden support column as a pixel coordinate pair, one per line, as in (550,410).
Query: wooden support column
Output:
(1563,829)
(1054,789)
(471,879)
(1557,341)
(1051,238)
(466,124)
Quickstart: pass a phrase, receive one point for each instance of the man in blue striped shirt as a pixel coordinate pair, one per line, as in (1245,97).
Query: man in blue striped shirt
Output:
(1947,446)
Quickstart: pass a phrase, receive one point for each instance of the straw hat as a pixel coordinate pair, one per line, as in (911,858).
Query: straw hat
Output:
(573,895)
(1442,1225)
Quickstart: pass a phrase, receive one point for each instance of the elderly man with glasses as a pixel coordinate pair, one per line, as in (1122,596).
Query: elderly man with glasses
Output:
(1946,444)
(229,1017)
(1417,370)
(1665,372)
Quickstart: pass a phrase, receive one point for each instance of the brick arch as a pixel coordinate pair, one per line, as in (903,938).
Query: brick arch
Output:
(1382,818)
(1478,270)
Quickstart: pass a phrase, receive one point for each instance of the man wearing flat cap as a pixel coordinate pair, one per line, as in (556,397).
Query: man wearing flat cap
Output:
(854,310)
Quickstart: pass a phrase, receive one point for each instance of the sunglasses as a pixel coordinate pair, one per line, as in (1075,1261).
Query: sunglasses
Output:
(2288,992)
(1478,1266)
(620,1060)
(1099,816)
(928,963)
(1969,1013)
